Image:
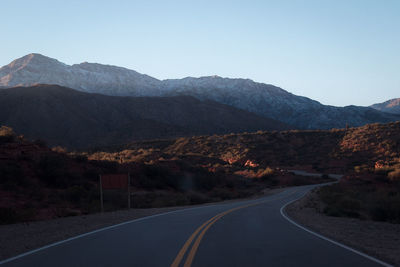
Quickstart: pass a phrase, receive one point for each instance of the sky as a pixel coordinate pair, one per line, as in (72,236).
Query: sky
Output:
(338,52)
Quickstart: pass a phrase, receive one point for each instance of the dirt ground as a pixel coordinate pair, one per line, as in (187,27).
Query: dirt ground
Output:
(378,239)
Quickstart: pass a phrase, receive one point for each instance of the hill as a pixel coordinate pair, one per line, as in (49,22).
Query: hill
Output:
(337,150)
(66,117)
(390,106)
(263,99)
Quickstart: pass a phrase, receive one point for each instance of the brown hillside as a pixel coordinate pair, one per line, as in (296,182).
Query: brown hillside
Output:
(334,150)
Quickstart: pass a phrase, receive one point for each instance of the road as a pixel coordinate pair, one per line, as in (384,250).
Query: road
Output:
(243,233)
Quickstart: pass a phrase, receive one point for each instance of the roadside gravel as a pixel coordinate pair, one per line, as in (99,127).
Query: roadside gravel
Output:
(378,239)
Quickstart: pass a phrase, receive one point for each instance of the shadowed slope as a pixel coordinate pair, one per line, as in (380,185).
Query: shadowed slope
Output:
(66,117)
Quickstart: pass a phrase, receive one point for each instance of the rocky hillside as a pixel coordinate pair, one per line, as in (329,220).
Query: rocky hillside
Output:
(390,106)
(74,119)
(262,99)
(333,151)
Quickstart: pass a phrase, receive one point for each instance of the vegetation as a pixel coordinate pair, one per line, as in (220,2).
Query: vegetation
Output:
(40,183)
(336,150)
(372,194)
(365,199)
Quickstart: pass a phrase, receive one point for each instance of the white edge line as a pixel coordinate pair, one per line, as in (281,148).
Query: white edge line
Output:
(115,226)
(326,238)
(96,231)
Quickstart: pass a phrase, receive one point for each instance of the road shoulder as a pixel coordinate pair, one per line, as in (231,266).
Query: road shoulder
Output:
(378,239)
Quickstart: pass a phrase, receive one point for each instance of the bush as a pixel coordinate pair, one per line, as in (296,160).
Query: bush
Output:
(6,131)
(11,175)
(267,172)
(8,215)
(40,143)
(394,175)
(6,134)
(156,177)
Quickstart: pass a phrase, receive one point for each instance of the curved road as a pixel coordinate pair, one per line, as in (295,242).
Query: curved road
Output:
(244,233)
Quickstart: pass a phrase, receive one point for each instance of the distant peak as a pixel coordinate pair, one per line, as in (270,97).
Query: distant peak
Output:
(35,55)
(33,58)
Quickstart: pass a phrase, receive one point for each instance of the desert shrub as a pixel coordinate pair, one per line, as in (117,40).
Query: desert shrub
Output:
(40,143)
(394,175)
(385,206)
(363,199)
(52,170)
(8,215)
(223,193)
(59,149)
(157,177)
(76,193)
(343,207)
(197,198)
(153,199)
(384,170)
(65,212)
(80,158)
(6,131)
(205,182)
(11,215)
(91,174)
(6,134)
(267,172)
(11,175)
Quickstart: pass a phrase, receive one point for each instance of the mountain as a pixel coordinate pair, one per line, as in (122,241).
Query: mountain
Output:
(66,117)
(87,77)
(274,102)
(263,99)
(390,106)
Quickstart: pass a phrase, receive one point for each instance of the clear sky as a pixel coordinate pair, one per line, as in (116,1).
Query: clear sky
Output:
(339,52)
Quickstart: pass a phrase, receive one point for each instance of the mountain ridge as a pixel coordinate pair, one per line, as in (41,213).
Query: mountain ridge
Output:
(262,99)
(390,106)
(74,119)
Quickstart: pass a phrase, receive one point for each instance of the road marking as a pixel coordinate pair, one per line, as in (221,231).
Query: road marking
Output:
(115,226)
(205,226)
(326,238)
(196,244)
(182,252)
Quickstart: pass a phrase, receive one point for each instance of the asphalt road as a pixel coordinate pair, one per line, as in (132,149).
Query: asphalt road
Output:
(244,233)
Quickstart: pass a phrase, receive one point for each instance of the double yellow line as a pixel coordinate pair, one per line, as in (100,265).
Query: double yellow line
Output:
(203,229)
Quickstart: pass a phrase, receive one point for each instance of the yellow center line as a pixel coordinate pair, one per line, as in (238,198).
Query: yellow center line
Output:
(183,250)
(196,244)
(203,228)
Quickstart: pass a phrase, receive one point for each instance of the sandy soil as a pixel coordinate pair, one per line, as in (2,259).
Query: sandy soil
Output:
(378,239)
(22,237)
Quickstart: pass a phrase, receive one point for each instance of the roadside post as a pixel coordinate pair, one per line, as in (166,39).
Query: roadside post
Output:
(101,195)
(129,191)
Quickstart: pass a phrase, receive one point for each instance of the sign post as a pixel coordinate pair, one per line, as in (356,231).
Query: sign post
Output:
(129,191)
(115,181)
(101,195)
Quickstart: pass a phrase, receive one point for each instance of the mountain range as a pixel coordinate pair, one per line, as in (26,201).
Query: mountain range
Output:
(73,119)
(261,99)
